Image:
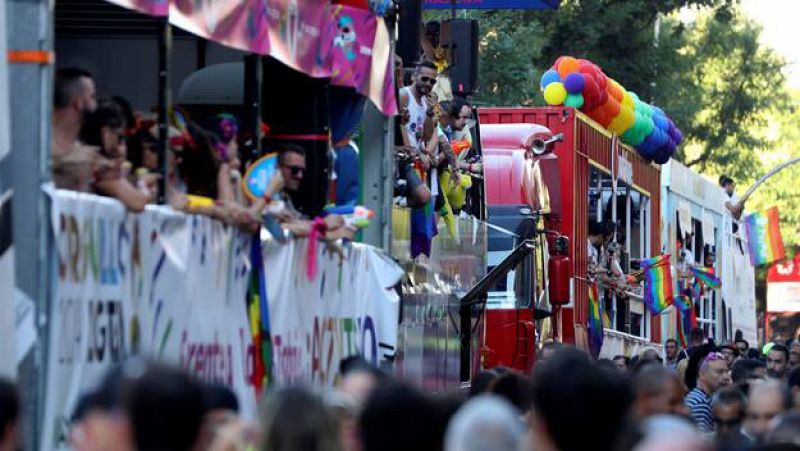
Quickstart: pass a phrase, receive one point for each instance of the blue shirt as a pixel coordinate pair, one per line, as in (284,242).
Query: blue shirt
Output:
(699,404)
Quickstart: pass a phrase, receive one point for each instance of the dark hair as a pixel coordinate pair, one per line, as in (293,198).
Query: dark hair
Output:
(724,180)
(481,382)
(9,406)
(199,163)
(295,419)
(730,395)
(425,64)
(217,396)
(793,379)
(695,360)
(672,340)
(166,409)
(696,335)
(396,404)
(137,144)
(743,368)
(67,85)
(625,358)
(570,389)
(781,348)
(515,388)
(651,378)
(597,228)
(286,148)
(108,114)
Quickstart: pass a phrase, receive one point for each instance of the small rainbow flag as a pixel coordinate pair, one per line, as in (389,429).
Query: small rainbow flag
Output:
(705,277)
(764,237)
(657,283)
(595,321)
(686,319)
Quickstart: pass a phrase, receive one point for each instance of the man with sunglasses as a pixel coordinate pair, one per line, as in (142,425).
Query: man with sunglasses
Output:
(712,375)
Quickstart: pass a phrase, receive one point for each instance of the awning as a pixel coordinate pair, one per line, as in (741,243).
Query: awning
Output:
(349,45)
(492,4)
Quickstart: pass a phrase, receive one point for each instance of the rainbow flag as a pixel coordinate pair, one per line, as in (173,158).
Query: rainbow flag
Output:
(764,237)
(658,290)
(704,277)
(595,323)
(686,319)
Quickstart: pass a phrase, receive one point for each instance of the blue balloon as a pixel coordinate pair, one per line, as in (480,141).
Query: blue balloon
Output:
(574,82)
(661,122)
(549,77)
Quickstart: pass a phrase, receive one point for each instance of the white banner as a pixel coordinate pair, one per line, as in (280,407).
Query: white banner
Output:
(160,285)
(349,307)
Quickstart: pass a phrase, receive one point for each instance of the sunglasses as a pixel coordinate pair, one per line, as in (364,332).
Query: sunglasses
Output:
(295,170)
(430,80)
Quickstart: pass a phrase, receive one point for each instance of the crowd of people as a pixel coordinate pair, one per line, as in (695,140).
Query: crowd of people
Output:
(731,397)
(100,146)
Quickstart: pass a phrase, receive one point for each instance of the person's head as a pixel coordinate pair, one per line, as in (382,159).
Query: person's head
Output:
(729,408)
(743,346)
(650,354)
(746,371)
(292,164)
(794,359)
(359,380)
(396,404)
(295,419)
(777,361)
(74,92)
(514,388)
(424,77)
(597,231)
(667,432)
(548,349)
(680,370)
(143,150)
(166,409)
(731,353)
(767,400)
(727,183)
(481,382)
(712,373)
(658,392)
(226,128)
(671,348)
(786,431)
(570,389)
(9,415)
(622,362)
(105,128)
(460,113)
(485,423)
(696,336)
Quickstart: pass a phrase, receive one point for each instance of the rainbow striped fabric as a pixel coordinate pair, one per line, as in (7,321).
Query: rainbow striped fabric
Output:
(658,290)
(595,322)
(706,277)
(686,319)
(764,237)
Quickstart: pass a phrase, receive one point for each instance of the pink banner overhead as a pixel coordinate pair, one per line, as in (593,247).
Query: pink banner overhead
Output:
(237,24)
(152,7)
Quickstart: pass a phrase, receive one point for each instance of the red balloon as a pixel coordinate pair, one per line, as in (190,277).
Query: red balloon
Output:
(591,93)
(611,107)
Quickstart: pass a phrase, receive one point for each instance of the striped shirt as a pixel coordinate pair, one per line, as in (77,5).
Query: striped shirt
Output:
(699,404)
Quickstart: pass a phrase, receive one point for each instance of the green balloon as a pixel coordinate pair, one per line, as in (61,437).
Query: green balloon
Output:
(649,125)
(574,100)
(629,136)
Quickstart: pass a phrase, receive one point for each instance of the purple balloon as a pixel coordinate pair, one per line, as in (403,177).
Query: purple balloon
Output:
(574,82)
(662,156)
(647,147)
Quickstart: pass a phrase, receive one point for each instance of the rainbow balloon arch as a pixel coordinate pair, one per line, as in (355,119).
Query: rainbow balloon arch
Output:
(581,84)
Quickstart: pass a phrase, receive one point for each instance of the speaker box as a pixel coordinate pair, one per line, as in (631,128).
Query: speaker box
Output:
(460,37)
(295,107)
(409,28)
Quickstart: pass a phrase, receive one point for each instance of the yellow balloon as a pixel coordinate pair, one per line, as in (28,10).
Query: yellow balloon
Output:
(555,93)
(627,100)
(622,121)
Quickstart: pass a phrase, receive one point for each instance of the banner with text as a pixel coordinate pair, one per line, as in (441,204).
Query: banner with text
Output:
(349,307)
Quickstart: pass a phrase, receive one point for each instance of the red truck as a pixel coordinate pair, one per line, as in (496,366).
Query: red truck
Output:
(587,175)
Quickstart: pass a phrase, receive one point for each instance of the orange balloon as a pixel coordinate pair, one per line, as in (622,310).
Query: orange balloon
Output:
(611,107)
(568,65)
(615,90)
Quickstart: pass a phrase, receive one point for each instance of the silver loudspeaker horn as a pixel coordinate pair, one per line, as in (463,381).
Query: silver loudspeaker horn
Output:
(540,146)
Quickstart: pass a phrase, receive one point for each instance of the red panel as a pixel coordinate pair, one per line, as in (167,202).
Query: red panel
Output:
(510,339)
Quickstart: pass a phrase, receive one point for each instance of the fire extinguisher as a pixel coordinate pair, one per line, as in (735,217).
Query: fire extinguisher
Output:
(559,272)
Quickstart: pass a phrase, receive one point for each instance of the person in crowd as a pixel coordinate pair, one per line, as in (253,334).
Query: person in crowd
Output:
(9,415)
(794,358)
(105,130)
(485,423)
(225,135)
(766,401)
(514,388)
(73,100)
(481,382)
(731,353)
(729,406)
(657,392)
(223,429)
(549,348)
(166,409)
(778,361)
(746,371)
(680,370)
(712,375)
(622,362)
(671,353)
(597,232)
(786,431)
(667,433)
(744,347)
(696,339)
(295,419)
(571,391)
(793,383)
(394,404)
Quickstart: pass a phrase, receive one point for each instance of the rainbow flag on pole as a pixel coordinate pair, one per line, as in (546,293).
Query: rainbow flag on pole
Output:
(686,319)
(704,277)
(764,237)
(595,321)
(658,290)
